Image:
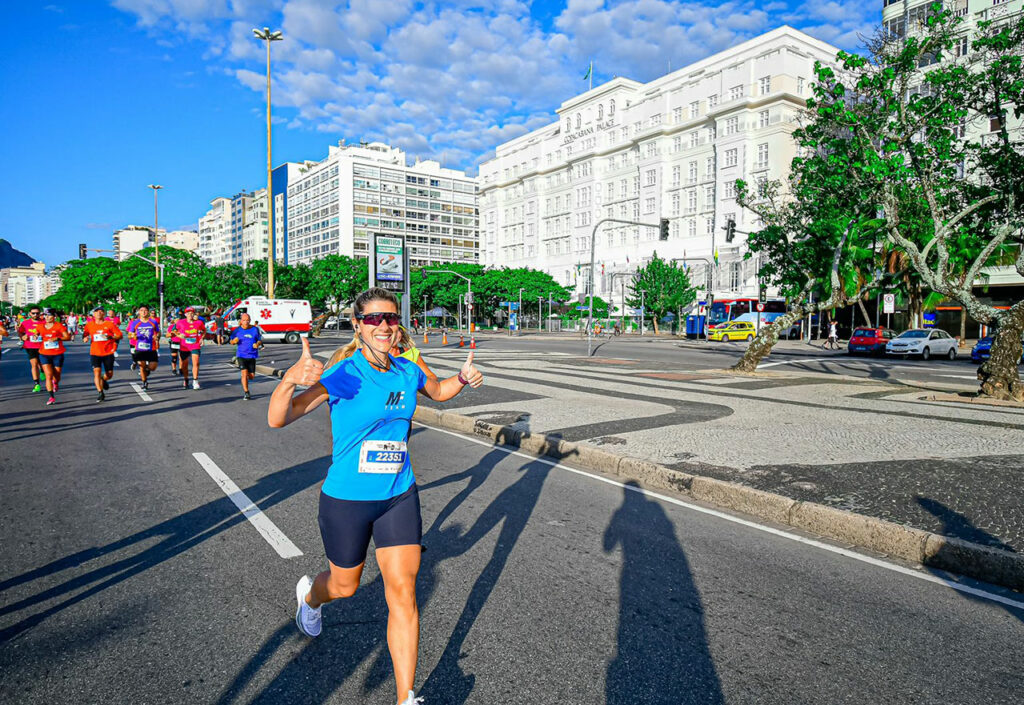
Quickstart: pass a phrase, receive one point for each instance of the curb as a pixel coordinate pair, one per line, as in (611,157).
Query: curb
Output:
(904,542)
(972,399)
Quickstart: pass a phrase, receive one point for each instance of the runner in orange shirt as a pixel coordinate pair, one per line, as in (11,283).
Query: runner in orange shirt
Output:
(51,351)
(102,337)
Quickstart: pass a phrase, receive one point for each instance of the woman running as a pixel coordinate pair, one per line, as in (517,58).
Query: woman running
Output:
(370,488)
(174,342)
(51,351)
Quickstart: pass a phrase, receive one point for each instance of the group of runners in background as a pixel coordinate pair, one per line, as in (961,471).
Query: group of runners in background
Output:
(44,332)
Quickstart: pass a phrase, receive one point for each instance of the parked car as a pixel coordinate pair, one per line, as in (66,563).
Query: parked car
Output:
(734,330)
(926,342)
(870,341)
(982,349)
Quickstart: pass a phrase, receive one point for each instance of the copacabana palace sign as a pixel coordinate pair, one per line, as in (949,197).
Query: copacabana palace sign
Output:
(589,130)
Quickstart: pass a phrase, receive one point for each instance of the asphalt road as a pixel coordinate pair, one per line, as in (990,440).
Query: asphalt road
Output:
(127,575)
(689,355)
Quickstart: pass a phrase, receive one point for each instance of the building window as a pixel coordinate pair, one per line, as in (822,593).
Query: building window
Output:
(675,203)
(691,174)
(611,107)
(762,156)
(800,86)
(764,85)
(676,175)
(736,92)
(961,47)
(677,115)
(712,101)
(655,119)
(731,157)
(600,111)
(709,225)
(691,201)
(677,144)
(652,149)
(729,189)
(732,125)
(709,167)
(691,227)
(694,109)
(735,275)
(709,195)
(762,118)
(649,205)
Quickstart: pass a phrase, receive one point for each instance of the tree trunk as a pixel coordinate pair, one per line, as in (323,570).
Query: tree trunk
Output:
(998,374)
(864,312)
(654,322)
(764,342)
(963,326)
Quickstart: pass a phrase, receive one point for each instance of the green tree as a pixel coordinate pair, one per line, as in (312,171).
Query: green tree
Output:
(665,287)
(911,116)
(86,283)
(335,280)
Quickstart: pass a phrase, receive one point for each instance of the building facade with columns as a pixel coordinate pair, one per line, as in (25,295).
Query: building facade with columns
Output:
(672,148)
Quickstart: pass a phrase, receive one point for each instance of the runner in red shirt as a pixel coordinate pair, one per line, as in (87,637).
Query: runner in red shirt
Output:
(175,343)
(51,351)
(102,337)
(191,331)
(31,341)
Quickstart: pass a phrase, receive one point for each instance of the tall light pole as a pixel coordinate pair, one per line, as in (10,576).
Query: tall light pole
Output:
(267,36)
(156,223)
(519,318)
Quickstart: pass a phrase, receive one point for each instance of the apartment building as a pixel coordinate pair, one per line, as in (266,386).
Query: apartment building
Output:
(672,148)
(334,206)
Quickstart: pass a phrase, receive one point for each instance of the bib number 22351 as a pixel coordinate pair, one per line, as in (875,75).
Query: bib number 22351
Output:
(382,457)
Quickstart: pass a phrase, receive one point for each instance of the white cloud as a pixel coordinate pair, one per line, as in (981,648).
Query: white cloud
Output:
(460,76)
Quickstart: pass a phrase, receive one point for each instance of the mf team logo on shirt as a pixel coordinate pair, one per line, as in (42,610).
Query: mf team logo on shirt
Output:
(395,400)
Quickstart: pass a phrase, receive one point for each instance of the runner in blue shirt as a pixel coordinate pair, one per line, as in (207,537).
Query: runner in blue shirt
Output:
(370,488)
(248,338)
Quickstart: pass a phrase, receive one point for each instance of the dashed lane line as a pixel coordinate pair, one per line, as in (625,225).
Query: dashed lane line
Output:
(268,529)
(142,393)
(927,577)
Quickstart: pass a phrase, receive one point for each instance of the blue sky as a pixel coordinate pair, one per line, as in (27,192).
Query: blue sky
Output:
(102,98)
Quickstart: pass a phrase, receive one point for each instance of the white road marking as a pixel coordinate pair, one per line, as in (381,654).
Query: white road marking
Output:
(928,577)
(797,362)
(268,530)
(971,377)
(142,393)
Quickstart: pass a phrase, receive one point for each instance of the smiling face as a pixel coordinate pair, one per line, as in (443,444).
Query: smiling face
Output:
(380,338)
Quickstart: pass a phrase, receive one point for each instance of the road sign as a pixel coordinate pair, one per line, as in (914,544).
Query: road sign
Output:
(888,303)
(469,297)
(760,307)
(582,308)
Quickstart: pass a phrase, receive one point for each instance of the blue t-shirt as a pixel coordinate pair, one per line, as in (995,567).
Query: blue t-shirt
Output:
(247,338)
(369,409)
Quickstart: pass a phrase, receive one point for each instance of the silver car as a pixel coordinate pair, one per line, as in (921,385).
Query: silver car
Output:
(926,342)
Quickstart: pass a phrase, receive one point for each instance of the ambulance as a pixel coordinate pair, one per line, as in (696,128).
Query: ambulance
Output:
(277,319)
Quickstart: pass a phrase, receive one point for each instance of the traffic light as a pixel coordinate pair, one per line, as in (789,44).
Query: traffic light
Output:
(663,229)
(762,295)
(81,251)
(730,230)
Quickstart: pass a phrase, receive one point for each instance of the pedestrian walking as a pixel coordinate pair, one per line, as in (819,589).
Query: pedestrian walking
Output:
(72,324)
(370,487)
(833,335)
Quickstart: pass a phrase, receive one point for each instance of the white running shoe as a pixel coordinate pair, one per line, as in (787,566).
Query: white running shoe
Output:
(307,619)
(195,384)
(412,700)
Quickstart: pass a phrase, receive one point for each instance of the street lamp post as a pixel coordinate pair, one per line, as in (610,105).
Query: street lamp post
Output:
(519,316)
(469,299)
(424,312)
(160,269)
(267,36)
(540,313)
(156,222)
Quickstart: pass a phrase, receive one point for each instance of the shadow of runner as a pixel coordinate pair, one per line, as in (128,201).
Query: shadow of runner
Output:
(176,535)
(355,628)
(956,524)
(662,652)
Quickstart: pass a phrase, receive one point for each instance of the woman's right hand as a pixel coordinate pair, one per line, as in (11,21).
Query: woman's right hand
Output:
(307,371)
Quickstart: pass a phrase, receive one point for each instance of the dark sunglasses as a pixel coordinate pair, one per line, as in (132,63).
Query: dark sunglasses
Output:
(375,319)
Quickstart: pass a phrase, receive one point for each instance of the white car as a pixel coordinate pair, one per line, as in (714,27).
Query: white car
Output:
(926,342)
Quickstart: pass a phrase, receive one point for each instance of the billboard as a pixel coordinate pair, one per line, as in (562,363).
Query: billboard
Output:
(389,262)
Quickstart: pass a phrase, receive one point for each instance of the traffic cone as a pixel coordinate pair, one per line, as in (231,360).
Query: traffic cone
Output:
(472,343)
(425,339)
(462,342)
(444,338)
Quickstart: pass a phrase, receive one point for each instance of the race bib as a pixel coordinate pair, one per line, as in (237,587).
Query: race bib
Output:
(51,345)
(190,341)
(99,338)
(382,457)
(175,346)
(143,346)
(35,338)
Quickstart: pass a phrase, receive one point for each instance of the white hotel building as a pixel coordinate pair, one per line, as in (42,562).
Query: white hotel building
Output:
(334,206)
(672,148)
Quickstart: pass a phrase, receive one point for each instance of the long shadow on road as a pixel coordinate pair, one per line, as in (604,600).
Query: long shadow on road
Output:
(662,653)
(176,535)
(354,628)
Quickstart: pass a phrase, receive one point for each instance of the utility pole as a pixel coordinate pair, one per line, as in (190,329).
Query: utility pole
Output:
(519,315)
(267,36)
(156,224)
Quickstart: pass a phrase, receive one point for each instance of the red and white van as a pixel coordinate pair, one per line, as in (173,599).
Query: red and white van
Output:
(277,319)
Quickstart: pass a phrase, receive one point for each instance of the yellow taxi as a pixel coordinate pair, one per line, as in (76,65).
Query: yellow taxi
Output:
(736,330)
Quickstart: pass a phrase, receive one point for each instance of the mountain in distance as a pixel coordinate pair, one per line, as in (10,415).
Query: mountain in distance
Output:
(10,257)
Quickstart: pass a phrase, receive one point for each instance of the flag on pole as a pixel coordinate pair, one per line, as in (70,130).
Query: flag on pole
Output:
(716,256)
(590,70)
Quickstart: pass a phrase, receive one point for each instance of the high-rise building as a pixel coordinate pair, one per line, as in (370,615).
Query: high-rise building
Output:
(24,286)
(255,236)
(181,240)
(222,229)
(672,148)
(132,238)
(334,206)
(281,176)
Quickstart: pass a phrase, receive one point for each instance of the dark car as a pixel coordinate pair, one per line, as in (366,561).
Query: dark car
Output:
(982,349)
(869,341)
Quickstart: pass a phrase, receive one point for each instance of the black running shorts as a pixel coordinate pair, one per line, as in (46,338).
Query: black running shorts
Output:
(55,360)
(346,525)
(33,353)
(248,364)
(184,354)
(145,356)
(104,361)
